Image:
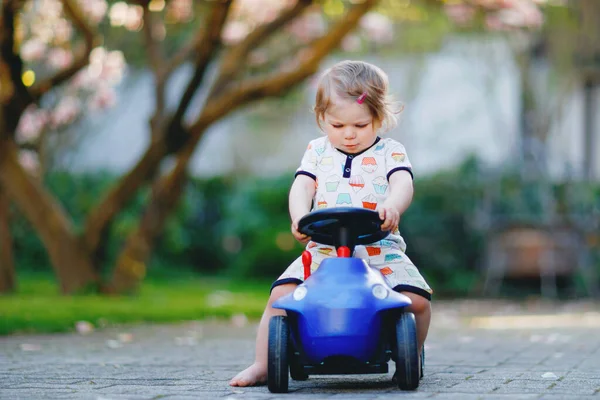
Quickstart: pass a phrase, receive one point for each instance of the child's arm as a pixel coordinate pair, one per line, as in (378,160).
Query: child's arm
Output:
(400,197)
(301,196)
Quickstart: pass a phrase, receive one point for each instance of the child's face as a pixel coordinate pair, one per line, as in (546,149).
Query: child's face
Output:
(350,126)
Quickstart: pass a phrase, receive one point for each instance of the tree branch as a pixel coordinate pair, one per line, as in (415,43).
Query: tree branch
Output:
(21,97)
(91,39)
(233,62)
(167,191)
(183,54)
(211,39)
(156,64)
(279,83)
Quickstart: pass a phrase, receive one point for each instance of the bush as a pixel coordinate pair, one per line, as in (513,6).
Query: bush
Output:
(241,228)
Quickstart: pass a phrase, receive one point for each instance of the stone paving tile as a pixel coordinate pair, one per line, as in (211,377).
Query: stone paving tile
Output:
(196,360)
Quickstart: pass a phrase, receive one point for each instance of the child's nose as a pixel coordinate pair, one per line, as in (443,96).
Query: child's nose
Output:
(349,133)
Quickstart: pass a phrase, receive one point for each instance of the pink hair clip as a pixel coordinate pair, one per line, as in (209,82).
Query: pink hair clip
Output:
(361,98)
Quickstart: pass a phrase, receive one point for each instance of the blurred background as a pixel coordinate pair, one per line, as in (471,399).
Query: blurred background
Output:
(147,148)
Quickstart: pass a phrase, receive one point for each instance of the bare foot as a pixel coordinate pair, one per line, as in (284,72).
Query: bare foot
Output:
(254,375)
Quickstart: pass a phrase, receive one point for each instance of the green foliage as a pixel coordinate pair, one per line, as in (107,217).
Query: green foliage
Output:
(438,229)
(257,216)
(240,227)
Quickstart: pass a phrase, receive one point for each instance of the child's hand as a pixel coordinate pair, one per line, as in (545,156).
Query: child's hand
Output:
(301,237)
(390,217)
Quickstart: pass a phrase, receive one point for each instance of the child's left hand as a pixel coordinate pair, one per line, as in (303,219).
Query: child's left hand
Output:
(390,217)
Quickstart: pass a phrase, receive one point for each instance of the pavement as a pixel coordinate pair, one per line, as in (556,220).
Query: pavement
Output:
(475,350)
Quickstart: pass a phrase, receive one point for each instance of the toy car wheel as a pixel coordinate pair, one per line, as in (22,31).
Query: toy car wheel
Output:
(296,371)
(407,354)
(278,366)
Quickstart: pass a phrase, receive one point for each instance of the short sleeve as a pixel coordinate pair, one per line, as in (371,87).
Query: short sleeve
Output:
(396,159)
(308,165)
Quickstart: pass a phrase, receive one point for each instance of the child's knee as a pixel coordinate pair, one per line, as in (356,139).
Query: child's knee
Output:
(420,305)
(281,290)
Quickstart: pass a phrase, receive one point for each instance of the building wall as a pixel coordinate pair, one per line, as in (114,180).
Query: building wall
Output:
(463,100)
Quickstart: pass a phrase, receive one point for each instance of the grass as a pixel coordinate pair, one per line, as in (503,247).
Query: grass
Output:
(37,307)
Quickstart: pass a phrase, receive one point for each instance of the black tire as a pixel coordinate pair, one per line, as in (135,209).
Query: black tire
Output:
(278,365)
(297,372)
(407,354)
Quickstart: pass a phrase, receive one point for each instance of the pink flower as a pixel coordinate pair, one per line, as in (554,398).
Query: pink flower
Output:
(378,27)
(33,50)
(31,124)
(351,43)
(180,10)
(63,31)
(94,10)
(59,58)
(308,27)
(29,160)
(65,112)
(133,19)
(104,98)
(234,32)
(461,14)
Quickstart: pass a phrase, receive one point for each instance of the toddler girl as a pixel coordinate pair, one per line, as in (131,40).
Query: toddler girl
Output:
(351,167)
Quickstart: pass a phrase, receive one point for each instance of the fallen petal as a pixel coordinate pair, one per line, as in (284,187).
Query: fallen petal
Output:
(84,327)
(125,337)
(30,347)
(239,320)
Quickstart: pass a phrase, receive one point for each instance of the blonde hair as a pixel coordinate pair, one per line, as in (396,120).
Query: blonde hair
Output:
(350,79)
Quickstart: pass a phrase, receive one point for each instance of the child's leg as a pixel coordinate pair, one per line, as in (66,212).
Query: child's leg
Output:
(256,373)
(421,308)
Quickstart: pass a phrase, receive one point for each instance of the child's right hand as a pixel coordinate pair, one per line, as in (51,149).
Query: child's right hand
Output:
(301,237)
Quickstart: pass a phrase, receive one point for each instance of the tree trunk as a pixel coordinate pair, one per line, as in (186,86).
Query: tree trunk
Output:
(98,222)
(7,266)
(130,267)
(69,259)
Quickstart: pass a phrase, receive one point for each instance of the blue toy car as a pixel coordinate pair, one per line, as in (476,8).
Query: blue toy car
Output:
(343,319)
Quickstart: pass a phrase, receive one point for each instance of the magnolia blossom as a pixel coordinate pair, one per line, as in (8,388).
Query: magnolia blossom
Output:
(94,10)
(460,13)
(49,8)
(522,13)
(65,112)
(257,12)
(31,124)
(180,11)
(30,161)
(106,66)
(63,30)
(377,27)
(508,14)
(308,27)
(59,58)
(351,43)
(104,98)
(118,13)
(134,18)
(33,50)
(234,31)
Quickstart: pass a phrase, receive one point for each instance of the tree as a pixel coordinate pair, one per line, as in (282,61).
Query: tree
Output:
(237,36)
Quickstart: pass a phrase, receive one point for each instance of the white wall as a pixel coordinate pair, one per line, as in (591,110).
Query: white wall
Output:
(462,100)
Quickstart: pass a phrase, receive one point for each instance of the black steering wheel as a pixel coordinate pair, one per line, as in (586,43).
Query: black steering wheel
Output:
(343,226)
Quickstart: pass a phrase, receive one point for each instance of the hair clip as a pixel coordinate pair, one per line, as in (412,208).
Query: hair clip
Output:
(361,98)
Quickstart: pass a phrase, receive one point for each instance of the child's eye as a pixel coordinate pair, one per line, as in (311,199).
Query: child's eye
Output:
(361,126)
(337,126)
